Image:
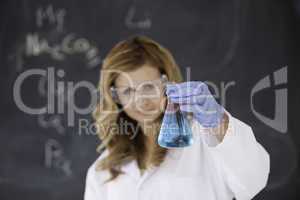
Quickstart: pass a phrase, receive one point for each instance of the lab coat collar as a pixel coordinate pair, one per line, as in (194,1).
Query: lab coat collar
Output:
(131,168)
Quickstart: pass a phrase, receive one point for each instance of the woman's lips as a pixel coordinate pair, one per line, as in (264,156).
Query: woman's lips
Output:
(148,112)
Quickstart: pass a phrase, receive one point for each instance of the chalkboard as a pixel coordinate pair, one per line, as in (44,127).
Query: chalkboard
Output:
(239,45)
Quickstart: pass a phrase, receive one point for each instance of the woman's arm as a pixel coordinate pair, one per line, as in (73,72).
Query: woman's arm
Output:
(221,129)
(244,163)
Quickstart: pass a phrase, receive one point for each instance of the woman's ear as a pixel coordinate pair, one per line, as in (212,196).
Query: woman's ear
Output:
(164,78)
(114,94)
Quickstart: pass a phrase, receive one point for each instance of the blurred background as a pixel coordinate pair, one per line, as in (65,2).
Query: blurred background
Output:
(252,46)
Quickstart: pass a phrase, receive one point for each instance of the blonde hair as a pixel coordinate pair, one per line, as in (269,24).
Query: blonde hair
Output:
(128,55)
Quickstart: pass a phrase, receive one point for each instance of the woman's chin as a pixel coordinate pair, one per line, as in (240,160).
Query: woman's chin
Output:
(147,116)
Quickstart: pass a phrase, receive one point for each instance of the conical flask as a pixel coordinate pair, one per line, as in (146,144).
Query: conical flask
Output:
(175,130)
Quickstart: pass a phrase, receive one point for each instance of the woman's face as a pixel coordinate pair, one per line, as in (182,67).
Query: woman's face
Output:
(141,93)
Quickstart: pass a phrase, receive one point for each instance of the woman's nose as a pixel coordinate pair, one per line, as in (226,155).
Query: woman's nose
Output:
(143,102)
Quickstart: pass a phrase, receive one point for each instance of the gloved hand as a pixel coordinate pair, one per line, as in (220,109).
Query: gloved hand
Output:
(195,97)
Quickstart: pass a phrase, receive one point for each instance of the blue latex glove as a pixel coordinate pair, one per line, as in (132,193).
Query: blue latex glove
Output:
(195,97)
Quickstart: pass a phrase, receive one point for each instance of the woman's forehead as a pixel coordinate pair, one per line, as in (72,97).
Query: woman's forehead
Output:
(144,73)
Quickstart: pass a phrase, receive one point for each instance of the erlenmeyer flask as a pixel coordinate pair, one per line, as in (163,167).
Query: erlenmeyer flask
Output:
(175,130)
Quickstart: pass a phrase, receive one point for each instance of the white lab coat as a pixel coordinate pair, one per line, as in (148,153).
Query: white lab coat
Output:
(207,170)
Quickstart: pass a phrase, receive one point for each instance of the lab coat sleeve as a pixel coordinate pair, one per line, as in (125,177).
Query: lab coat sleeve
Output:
(90,192)
(243,162)
(94,187)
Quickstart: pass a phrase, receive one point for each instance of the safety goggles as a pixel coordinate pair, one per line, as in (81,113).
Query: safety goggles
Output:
(146,89)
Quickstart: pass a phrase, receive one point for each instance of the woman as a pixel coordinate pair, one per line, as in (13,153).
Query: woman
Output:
(224,162)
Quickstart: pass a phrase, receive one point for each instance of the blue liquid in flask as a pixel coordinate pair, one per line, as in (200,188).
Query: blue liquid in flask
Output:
(175,130)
